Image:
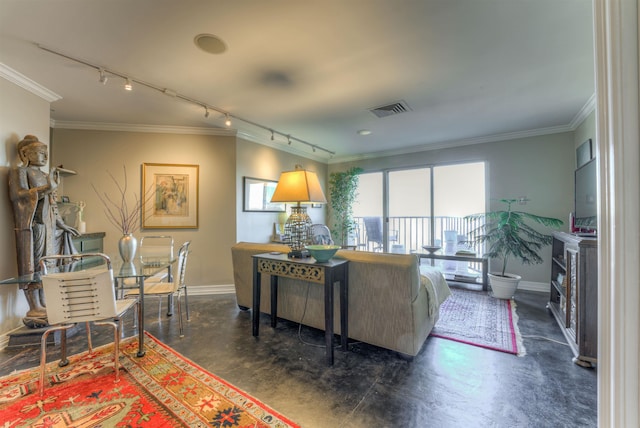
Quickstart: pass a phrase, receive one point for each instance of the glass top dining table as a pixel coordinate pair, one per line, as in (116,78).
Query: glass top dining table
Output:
(136,269)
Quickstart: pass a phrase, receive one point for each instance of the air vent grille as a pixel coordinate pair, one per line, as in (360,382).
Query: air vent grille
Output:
(390,109)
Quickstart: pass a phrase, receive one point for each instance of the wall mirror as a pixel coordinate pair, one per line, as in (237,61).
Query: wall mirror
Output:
(257,195)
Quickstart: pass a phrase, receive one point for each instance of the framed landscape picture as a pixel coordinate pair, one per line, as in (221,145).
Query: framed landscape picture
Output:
(170,196)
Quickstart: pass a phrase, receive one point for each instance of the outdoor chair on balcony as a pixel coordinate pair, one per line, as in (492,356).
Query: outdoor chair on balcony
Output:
(375,237)
(321,235)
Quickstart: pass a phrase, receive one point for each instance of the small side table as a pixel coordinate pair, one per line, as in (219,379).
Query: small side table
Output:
(279,265)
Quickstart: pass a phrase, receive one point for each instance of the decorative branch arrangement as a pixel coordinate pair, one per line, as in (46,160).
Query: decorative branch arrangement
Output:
(123,216)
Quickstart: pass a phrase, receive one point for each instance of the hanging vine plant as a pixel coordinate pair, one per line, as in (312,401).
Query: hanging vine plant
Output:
(343,191)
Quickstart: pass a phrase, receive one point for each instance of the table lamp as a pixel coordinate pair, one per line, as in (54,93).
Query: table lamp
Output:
(299,187)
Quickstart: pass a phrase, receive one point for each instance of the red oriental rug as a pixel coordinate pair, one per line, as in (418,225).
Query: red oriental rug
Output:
(162,389)
(475,318)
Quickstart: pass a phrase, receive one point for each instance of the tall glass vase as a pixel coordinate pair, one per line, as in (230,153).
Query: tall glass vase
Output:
(128,245)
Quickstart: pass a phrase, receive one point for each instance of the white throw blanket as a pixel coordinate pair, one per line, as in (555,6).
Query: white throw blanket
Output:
(436,286)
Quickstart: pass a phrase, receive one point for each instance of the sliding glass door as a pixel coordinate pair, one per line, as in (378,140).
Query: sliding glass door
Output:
(410,209)
(402,210)
(369,205)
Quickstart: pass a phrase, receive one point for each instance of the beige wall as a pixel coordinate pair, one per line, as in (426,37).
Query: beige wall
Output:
(95,153)
(21,113)
(258,161)
(540,168)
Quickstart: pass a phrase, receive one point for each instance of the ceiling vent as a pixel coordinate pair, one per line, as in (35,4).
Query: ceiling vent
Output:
(390,109)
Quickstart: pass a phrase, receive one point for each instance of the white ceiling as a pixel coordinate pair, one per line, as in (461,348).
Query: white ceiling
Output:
(467,69)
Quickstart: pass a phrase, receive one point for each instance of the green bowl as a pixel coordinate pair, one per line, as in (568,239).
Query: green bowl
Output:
(322,253)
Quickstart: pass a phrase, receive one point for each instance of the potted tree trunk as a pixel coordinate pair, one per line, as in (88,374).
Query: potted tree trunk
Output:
(343,191)
(507,234)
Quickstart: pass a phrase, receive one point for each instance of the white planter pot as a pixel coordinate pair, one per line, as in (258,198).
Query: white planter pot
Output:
(503,287)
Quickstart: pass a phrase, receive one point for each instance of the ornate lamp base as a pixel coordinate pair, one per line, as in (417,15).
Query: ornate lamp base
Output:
(298,231)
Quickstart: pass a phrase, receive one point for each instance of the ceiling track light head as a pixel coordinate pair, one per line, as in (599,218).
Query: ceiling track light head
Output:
(103,77)
(206,112)
(272,136)
(227,120)
(127,85)
(289,139)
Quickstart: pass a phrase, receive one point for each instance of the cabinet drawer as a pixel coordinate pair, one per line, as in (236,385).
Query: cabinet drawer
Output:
(88,244)
(91,245)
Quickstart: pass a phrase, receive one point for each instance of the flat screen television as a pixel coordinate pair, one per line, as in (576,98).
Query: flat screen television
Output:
(586,197)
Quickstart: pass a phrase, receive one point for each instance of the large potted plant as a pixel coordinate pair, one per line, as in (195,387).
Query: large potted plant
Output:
(507,234)
(343,191)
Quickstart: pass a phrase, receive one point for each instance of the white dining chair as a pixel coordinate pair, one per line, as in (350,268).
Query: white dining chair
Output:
(173,288)
(75,296)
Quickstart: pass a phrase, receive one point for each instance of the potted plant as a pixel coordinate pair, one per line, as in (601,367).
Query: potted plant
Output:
(508,234)
(343,191)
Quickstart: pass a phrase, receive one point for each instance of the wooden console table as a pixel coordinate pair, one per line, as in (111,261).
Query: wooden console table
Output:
(279,265)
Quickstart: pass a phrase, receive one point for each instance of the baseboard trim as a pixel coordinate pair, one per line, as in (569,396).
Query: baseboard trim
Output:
(203,290)
(540,287)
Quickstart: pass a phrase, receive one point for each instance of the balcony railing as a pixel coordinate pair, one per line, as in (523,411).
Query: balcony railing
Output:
(412,233)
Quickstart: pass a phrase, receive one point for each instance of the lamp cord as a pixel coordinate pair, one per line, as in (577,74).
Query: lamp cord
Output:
(304,311)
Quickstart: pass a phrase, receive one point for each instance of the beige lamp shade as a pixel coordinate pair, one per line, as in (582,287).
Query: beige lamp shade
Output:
(298,186)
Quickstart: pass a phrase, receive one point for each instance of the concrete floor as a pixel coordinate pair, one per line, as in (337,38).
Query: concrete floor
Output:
(447,385)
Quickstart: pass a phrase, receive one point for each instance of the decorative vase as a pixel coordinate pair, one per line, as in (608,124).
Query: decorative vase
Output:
(127,245)
(503,287)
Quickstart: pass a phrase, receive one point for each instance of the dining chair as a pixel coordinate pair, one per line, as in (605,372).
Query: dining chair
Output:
(153,250)
(173,288)
(75,296)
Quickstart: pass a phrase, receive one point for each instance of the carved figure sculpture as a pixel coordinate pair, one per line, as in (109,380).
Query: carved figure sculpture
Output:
(39,228)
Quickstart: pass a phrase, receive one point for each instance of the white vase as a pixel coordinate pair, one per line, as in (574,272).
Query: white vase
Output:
(127,246)
(503,287)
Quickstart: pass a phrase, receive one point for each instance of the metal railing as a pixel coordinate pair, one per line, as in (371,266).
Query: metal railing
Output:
(411,233)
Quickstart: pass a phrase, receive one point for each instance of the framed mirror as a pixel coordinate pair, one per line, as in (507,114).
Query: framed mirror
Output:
(257,195)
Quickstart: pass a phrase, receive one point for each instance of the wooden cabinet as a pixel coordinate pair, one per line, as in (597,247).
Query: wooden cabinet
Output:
(89,242)
(574,293)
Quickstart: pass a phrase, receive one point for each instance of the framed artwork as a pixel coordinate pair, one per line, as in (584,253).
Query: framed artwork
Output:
(257,195)
(170,196)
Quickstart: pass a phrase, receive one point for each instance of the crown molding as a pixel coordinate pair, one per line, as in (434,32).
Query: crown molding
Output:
(24,82)
(185,130)
(585,111)
(284,147)
(160,129)
(456,143)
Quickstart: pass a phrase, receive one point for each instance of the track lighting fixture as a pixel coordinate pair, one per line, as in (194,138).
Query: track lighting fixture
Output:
(170,92)
(103,77)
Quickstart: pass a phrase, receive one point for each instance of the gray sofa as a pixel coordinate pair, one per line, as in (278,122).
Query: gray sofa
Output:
(393,301)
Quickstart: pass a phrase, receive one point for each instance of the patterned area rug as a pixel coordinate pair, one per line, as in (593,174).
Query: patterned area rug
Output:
(162,389)
(475,318)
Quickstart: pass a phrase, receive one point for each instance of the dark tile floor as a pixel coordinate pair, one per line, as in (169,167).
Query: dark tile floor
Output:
(447,385)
